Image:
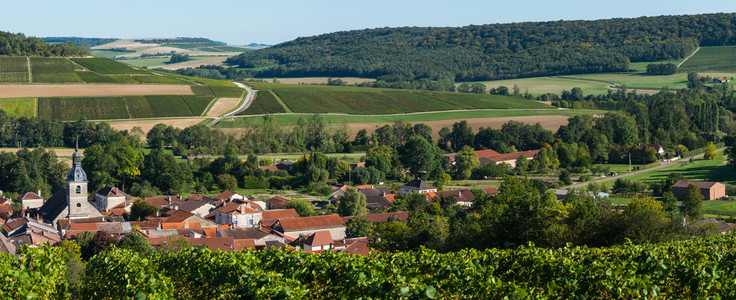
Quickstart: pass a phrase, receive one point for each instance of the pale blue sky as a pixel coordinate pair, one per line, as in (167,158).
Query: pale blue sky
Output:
(244,21)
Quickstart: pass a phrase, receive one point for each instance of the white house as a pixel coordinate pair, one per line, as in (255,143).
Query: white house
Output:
(237,214)
(417,186)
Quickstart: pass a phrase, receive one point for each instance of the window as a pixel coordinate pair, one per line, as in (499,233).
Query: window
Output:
(79,189)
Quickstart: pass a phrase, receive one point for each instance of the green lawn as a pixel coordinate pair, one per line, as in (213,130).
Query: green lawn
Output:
(291,119)
(543,85)
(700,169)
(19,107)
(720,207)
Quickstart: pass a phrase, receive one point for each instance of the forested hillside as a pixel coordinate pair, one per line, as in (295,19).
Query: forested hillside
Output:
(17,44)
(80,41)
(494,51)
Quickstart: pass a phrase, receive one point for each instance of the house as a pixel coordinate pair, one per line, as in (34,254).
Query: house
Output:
(276,203)
(378,201)
(294,227)
(109,197)
(269,217)
(463,197)
(6,246)
(509,158)
(357,246)
(229,196)
(272,168)
(478,154)
(381,218)
(318,241)
(417,186)
(721,80)
(709,190)
(717,225)
(657,148)
(258,236)
(238,215)
(222,243)
(162,201)
(489,191)
(31,200)
(200,207)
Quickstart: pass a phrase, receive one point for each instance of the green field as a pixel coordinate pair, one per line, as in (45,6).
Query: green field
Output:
(642,66)
(291,119)
(100,108)
(543,85)
(13,69)
(718,58)
(356,100)
(106,66)
(264,103)
(19,107)
(700,169)
(720,207)
(53,70)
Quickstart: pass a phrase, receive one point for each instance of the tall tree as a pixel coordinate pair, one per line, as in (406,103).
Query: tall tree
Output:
(692,204)
(353,203)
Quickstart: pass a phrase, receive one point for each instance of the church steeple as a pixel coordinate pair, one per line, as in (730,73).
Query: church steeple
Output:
(76,174)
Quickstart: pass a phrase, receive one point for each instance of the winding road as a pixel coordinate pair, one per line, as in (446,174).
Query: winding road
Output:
(248,101)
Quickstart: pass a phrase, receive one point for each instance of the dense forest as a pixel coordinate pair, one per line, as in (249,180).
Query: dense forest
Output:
(79,41)
(496,51)
(19,45)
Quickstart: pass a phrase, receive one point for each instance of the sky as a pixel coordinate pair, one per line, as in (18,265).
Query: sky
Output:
(240,22)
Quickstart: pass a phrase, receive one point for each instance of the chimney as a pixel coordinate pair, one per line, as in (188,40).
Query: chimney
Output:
(39,193)
(168,199)
(460,194)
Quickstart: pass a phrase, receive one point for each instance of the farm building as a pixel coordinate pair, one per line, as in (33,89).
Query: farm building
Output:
(709,190)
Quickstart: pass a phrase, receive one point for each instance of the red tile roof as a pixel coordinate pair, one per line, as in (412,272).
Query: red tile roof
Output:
(162,201)
(513,156)
(226,195)
(271,168)
(175,216)
(277,202)
(486,153)
(359,247)
(241,244)
(319,238)
(461,195)
(224,244)
(234,208)
(30,196)
(490,191)
(280,214)
(307,223)
(384,217)
(699,184)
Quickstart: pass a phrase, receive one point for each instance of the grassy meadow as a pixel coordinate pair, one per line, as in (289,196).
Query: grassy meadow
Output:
(700,169)
(19,107)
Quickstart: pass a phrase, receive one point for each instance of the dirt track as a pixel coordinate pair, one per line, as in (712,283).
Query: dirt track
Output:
(72,90)
(222,106)
(146,125)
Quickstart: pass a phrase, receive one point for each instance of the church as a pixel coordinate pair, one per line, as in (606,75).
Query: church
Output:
(70,202)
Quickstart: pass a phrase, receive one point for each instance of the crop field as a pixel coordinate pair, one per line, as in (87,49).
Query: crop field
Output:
(218,91)
(318,80)
(354,100)
(717,58)
(264,103)
(98,108)
(19,107)
(53,70)
(720,207)
(106,66)
(13,69)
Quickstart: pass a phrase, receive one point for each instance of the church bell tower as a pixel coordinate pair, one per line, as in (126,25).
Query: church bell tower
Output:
(76,188)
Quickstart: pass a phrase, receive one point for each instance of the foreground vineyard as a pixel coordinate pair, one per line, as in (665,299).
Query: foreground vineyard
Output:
(690,269)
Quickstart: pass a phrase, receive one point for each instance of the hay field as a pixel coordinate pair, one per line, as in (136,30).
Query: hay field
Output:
(222,106)
(146,125)
(74,90)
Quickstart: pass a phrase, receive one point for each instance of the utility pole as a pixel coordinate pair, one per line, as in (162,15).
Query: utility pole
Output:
(629,162)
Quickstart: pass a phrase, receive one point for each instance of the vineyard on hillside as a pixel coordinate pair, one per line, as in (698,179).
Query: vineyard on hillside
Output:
(696,268)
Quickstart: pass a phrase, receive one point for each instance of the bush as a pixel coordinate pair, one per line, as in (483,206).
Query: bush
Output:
(253,182)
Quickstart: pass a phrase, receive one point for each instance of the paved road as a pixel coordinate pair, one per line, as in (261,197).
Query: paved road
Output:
(662,165)
(246,104)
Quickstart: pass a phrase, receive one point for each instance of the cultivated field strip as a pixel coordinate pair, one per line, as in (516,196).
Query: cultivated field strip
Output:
(14,69)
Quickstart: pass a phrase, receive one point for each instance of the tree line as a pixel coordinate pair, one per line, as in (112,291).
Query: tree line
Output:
(17,44)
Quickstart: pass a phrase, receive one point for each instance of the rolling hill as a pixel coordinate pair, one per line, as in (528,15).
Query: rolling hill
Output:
(489,52)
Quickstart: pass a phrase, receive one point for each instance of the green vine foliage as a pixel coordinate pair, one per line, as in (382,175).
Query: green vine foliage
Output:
(699,268)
